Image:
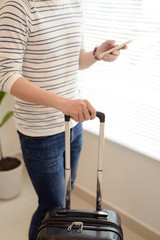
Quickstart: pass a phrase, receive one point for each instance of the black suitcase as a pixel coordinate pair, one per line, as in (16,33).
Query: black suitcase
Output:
(73,224)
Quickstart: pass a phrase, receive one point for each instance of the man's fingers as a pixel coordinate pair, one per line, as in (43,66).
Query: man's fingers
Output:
(111,43)
(92,112)
(110,57)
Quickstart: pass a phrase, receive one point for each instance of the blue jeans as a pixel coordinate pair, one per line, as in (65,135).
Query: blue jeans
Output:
(44,158)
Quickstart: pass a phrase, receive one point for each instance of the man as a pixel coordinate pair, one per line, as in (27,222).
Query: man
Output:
(41,50)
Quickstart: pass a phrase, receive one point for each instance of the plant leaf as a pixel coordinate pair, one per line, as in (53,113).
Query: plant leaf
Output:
(6,118)
(2,94)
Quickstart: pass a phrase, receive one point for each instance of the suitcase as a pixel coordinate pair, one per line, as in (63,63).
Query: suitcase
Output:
(74,224)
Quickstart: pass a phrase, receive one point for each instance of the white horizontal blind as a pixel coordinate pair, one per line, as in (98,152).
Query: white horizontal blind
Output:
(127,90)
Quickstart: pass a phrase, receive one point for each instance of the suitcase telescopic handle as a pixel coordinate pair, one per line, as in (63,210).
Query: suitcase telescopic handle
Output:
(101,117)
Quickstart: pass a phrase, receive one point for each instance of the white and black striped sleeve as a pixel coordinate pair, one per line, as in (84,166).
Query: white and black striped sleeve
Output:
(15,26)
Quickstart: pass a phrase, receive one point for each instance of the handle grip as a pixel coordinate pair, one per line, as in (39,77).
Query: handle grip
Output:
(100,115)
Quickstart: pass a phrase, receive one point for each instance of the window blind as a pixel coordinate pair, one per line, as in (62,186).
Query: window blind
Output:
(127,90)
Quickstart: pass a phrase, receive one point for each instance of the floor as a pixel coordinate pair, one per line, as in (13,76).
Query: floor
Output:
(15,214)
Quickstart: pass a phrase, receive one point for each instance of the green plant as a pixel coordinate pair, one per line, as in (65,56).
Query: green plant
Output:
(4,119)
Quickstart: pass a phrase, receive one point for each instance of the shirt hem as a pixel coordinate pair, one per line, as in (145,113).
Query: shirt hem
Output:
(46,133)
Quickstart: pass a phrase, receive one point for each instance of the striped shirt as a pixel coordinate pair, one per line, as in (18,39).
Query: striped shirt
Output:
(41,41)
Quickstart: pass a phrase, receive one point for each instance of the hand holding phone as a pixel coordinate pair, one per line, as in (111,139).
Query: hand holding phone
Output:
(115,48)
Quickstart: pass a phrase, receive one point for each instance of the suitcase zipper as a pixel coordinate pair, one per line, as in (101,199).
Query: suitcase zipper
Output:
(83,226)
(76,224)
(86,221)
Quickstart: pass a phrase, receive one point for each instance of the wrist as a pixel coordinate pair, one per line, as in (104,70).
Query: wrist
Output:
(95,54)
(63,104)
(61,101)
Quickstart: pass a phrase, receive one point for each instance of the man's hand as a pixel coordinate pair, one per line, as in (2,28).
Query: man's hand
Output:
(105,46)
(79,109)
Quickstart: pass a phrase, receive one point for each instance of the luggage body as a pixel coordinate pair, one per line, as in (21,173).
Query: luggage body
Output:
(76,224)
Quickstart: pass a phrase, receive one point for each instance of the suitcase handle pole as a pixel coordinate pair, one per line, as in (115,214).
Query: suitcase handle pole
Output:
(101,117)
(67,163)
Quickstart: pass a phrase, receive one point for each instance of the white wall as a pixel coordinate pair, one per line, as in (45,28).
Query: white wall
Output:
(131,181)
(8,134)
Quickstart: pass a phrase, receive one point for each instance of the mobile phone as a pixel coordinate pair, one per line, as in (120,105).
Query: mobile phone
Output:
(115,48)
